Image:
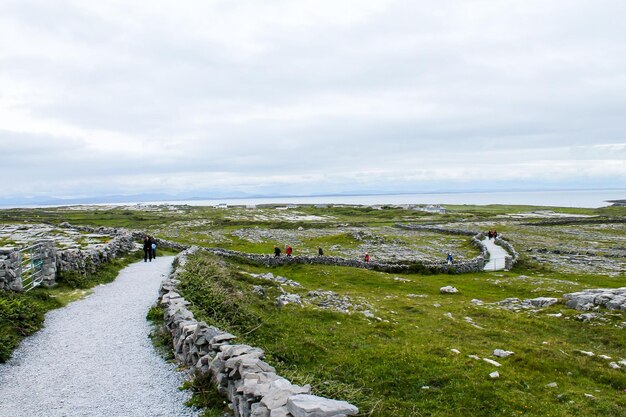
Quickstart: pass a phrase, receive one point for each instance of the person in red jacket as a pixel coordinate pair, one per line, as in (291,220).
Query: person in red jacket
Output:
(367,257)
(288,250)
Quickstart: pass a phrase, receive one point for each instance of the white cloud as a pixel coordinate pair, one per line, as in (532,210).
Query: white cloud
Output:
(119,97)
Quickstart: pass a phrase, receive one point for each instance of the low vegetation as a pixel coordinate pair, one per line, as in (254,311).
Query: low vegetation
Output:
(405,350)
(402,364)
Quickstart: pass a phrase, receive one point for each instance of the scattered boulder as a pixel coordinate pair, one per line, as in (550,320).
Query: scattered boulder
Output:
(610,298)
(284,299)
(448,290)
(492,362)
(542,301)
(515,304)
(502,353)
(588,317)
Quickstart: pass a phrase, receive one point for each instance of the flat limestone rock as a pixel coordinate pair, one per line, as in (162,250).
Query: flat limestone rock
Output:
(280,391)
(500,353)
(305,405)
(492,362)
(448,290)
(543,301)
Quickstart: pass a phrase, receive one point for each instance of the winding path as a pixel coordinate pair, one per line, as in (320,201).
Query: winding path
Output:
(94,357)
(496,255)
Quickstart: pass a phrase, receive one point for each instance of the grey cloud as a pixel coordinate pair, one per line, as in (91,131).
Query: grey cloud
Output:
(237,93)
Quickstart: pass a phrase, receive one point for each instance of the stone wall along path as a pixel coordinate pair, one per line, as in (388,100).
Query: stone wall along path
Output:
(497,255)
(94,357)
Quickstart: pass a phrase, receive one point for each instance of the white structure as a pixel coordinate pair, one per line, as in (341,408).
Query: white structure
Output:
(433,208)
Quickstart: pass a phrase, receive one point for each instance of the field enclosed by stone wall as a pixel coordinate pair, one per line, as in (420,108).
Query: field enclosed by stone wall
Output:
(533,341)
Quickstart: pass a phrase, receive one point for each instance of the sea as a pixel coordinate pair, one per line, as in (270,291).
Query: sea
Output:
(583,199)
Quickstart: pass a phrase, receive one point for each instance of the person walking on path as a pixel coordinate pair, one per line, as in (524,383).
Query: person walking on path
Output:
(288,250)
(147,249)
(367,257)
(153,247)
(276,251)
(320,252)
(449,259)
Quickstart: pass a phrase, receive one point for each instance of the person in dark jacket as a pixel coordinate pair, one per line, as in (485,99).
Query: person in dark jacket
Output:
(147,249)
(320,252)
(276,251)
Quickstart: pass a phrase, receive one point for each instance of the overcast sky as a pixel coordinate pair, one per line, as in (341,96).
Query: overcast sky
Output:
(199,97)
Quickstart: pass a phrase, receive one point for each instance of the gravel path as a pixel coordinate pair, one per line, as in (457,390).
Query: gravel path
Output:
(496,255)
(94,357)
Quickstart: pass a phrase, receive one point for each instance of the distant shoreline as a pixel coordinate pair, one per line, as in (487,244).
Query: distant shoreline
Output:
(549,198)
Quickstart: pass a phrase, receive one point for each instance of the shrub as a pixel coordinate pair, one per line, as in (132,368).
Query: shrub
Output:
(73,279)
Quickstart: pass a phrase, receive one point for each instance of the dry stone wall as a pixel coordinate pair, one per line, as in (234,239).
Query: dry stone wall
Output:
(10,270)
(48,255)
(437,229)
(89,260)
(239,371)
(54,261)
(509,260)
(11,277)
(473,265)
(477,238)
(124,241)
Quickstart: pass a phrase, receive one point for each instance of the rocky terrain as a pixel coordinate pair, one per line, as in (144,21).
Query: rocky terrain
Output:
(13,235)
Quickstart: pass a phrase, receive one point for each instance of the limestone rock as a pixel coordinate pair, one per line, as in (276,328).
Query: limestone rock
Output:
(492,362)
(502,353)
(304,405)
(448,290)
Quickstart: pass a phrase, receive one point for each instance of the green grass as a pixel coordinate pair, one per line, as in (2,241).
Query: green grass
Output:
(382,366)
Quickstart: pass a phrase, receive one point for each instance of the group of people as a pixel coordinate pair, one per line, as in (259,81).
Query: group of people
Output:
(288,250)
(320,252)
(149,248)
(492,234)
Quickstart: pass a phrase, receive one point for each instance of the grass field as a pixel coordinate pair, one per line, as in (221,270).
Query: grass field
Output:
(398,359)
(404,365)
